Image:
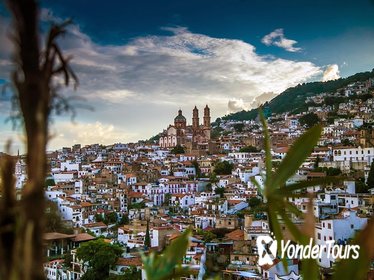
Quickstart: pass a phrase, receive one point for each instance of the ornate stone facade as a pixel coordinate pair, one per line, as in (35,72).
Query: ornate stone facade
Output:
(191,136)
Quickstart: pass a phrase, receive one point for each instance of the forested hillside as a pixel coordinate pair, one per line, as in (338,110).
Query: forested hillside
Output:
(293,99)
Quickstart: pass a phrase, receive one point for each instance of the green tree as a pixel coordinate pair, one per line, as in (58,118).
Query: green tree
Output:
(206,234)
(309,120)
(68,258)
(99,256)
(316,163)
(239,127)
(147,238)
(167,199)
(248,149)
(361,187)
(131,273)
(99,217)
(197,168)
(332,171)
(220,191)
(124,220)
(178,150)
(346,142)
(370,179)
(216,132)
(111,218)
(223,168)
(137,205)
(254,202)
(53,220)
(49,182)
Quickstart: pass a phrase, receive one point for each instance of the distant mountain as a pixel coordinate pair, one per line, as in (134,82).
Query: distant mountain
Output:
(293,99)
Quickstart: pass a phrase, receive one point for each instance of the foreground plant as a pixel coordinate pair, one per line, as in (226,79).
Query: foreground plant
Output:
(279,208)
(168,264)
(35,97)
(277,193)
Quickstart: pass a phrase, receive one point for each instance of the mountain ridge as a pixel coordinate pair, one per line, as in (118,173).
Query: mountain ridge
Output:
(293,99)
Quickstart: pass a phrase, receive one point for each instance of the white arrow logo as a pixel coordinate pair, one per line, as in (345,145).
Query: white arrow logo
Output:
(267,250)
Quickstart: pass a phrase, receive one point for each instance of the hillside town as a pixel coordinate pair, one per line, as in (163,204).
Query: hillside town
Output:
(208,178)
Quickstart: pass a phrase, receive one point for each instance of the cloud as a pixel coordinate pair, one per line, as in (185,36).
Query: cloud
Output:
(138,87)
(262,98)
(67,133)
(277,38)
(235,105)
(331,73)
(47,15)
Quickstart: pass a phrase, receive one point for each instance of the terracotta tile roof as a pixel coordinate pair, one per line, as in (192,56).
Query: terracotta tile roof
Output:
(174,236)
(99,224)
(82,237)
(237,234)
(86,204)
(316,174)
(180,195)
(234,201)
(57,235)
(135,194)
(136,261)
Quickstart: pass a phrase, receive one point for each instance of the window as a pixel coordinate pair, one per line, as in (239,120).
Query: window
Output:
(329,226)
(352,226)
(319,236)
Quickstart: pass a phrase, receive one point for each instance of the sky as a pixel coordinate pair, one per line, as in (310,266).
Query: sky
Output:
(138,62)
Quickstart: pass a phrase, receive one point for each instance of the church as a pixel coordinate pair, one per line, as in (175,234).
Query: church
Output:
(194,138)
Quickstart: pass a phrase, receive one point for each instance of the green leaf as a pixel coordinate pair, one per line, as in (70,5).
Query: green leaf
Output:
(268,157)
(358,268)
(293,209)
(168,264)
(310,270)
(254,182)
(297,154)
(289,189)
(293,229)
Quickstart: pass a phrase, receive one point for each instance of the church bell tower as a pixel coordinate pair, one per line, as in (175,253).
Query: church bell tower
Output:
(206,117)
(195,118)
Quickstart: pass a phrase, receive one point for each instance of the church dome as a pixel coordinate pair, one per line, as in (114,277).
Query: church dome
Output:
(180,117)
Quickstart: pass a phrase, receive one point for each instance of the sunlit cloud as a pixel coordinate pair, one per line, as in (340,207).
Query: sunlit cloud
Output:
(277,38)
(138,87)
(68,133)
(331,73)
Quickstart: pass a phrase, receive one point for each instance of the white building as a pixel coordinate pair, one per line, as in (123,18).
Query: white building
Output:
(339,230)
(354,154)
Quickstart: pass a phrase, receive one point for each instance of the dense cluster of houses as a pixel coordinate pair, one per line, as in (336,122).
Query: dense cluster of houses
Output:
(148,188)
